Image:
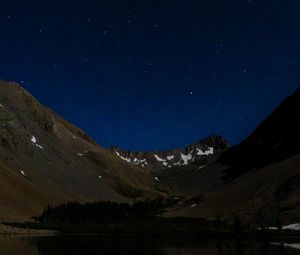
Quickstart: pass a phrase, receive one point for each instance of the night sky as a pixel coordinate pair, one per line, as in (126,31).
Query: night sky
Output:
(147,75)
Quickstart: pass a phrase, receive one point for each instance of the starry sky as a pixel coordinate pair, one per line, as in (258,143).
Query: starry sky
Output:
(155,74)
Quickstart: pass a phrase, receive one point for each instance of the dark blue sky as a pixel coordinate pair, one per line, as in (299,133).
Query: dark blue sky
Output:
(148,75)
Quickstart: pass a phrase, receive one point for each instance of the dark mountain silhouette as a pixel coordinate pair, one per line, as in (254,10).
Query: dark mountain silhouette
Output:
(258,179)
(275,139)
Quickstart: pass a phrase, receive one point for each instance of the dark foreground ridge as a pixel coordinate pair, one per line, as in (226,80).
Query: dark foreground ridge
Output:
(275,139)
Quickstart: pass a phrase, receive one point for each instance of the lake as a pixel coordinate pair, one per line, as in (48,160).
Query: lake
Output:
(112,245)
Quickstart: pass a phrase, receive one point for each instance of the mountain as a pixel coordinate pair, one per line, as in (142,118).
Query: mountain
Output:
(46,160)
(258,179)
(176,157)
(275,139)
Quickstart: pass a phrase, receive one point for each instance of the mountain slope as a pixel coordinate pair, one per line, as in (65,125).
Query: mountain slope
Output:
(47,160)
(262,174)
(258,196)
(275,139)
(44,159)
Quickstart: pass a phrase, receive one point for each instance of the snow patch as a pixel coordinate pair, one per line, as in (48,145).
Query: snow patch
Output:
(156,178)
(34,142)
(186,158)
(23,173)
(177,163)
(79,154)
(170,157)
(125,159)
(295,246)
(164,161)
(134,161)
(295,226)
(100,177)
(159,159)
(39,146)
(206,152)
(33,139)
(193,205)
(291,245)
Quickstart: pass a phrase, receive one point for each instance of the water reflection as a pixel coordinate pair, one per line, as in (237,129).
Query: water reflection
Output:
(87,245)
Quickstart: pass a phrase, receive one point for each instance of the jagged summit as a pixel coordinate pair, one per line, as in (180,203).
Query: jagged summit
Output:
(176,157)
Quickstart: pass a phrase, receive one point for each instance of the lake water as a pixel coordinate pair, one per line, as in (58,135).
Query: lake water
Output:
(87,245)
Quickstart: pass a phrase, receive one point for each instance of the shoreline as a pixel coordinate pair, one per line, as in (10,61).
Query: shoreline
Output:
(11,231)
(33,229)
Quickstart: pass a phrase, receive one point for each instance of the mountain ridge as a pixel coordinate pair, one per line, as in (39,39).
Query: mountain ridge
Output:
(272,141)
(210,145)
(44,160)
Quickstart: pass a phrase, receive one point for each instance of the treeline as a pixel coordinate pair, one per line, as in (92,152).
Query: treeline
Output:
(101,212)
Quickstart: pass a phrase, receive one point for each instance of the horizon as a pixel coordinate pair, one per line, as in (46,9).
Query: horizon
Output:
(166,149)
(154,76)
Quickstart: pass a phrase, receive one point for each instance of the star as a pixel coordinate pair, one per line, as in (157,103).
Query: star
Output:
(191,92)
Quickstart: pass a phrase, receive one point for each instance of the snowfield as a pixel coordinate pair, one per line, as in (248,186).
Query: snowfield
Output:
(34,142)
